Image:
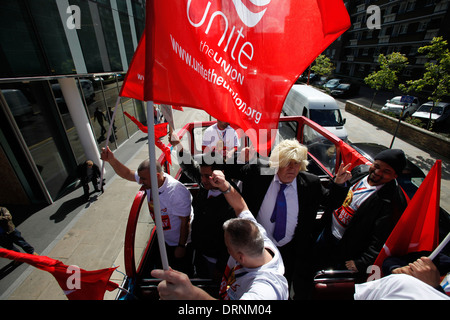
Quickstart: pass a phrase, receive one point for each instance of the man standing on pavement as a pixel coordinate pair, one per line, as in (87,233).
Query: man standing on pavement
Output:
(175,205)
(9,235)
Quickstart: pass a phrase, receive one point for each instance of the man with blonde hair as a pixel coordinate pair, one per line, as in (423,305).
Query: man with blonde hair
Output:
(285,204)
(289,150)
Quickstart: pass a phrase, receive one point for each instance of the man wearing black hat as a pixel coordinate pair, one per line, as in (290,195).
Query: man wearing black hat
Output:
(355,232)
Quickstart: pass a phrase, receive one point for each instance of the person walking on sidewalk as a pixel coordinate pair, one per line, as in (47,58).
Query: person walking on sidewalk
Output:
(9,235)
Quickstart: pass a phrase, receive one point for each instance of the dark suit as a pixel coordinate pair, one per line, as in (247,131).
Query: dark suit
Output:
(207,234)
(311,194)
(87,176)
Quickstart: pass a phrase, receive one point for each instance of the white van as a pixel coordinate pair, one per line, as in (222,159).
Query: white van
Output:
(303,100)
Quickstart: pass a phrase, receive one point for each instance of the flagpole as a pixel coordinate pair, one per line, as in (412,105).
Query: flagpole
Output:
(154,184)
(100,186)
(440,247)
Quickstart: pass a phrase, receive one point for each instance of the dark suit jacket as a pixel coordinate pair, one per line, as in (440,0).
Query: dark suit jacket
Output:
(83,175)
(311,195)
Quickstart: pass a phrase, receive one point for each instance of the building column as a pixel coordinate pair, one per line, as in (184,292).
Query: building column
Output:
(81,122)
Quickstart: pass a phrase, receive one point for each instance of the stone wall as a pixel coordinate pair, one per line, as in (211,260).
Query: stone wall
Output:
(423,139)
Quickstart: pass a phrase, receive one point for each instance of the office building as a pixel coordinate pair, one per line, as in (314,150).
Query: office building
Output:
(62,66)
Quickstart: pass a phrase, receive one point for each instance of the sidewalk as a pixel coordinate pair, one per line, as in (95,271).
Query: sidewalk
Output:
(93,240)
(94,237)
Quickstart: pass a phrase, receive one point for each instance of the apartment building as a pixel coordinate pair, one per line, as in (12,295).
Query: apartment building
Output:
(387,26)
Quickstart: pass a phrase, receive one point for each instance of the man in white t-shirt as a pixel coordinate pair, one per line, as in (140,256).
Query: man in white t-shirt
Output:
(222,138)
(255,268)
(175,206)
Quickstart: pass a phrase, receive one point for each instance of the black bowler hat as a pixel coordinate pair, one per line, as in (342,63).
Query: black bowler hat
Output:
(393,157)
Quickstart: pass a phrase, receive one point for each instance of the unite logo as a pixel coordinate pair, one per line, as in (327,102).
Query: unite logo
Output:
(251,12)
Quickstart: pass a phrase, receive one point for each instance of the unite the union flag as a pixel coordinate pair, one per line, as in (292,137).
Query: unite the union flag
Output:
(234,59)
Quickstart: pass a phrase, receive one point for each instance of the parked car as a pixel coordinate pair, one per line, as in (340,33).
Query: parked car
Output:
(396,104)
(304,78)
(345,90)
(440,115)
(332,84)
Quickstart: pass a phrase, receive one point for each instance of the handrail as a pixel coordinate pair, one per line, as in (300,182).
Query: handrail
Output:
(130,233)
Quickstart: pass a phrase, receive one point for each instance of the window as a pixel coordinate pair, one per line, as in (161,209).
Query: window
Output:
(403,29)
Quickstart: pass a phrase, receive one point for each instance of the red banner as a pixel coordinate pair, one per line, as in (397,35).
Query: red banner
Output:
(350,155)
(235,59)
(77,284)
(160,131)
(418,228)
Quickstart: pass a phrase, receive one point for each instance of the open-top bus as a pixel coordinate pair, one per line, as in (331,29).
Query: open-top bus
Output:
(325,153)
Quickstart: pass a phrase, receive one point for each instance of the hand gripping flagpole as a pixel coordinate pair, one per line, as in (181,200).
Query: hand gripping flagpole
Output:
(440,247)
(100,185)
(154,184)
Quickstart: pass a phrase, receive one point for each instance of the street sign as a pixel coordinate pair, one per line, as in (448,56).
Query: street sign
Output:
(407,99)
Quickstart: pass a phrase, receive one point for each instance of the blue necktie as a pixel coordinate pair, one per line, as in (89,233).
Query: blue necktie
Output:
(279,214)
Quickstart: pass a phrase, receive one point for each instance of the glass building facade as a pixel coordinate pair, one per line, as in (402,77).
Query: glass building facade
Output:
(42,42)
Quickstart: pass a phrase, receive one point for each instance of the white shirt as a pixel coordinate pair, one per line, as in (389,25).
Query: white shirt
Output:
(213,135)
(268,204)
(356,196)
(175,202)
(263,283)
(397,287)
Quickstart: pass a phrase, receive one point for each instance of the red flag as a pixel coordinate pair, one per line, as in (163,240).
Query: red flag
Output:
(234,59)
(418,228)
(165,149)
(77,284)
(160,131)
(350,155)
(160,128)
(139,124)
(177,108)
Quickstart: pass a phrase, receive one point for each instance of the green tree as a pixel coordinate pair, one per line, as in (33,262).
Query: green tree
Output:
(436,77)
(387,77)
(323,66)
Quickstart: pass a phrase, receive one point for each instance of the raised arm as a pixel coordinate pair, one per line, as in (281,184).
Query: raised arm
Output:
(233,197)
(122,170)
